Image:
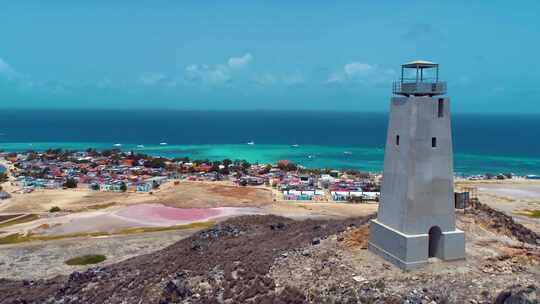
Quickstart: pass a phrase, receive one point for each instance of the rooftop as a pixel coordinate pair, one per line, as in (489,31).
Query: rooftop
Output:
(422,64)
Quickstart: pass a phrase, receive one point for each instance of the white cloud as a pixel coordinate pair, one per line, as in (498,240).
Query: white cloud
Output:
(218,73)
(6,70)
(361,73)
(354,69)
(240,62)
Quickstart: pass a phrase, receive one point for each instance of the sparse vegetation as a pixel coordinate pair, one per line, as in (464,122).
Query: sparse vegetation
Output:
(530,213)
(20,220)
(101,206)
(30,237)
(8,217)
(55,209)
(199,225)
(86,259)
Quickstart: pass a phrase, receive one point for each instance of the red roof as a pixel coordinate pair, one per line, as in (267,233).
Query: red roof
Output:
(283,162)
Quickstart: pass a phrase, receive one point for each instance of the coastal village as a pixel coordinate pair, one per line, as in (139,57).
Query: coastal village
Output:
(116,171)
(141,214)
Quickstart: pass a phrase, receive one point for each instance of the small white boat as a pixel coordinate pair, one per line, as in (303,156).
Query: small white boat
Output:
(140,146)
(295,146)
(251,143)
(347,152)
(163,144)
(310,156)
(117,145)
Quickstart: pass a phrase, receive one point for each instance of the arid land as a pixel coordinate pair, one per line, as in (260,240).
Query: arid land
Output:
(93,222)
(336,270)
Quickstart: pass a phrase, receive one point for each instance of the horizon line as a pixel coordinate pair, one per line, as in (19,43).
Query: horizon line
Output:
(247,110)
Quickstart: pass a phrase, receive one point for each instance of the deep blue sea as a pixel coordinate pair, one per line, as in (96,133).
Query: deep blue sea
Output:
(482,143)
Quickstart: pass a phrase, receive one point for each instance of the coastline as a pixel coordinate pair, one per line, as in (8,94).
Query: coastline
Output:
(309,156)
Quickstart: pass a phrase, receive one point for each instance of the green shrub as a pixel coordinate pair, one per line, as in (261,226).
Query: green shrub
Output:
(86,259)
(55,209)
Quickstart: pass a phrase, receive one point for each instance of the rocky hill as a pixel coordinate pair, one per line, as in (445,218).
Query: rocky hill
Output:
(270,259)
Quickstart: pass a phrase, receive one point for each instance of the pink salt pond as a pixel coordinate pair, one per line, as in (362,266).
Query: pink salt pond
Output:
(160,213)
(143,215)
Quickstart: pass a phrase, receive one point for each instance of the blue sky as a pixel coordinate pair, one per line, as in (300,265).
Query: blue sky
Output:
(282,55)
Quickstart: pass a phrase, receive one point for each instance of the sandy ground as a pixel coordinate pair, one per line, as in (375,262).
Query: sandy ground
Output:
(133,210)
(183,195)
(29,259)
(303,210)
(511,197)
(46,259)
(114,219)
(39,260)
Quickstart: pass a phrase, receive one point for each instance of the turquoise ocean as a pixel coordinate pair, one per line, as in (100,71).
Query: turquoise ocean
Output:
(482,143)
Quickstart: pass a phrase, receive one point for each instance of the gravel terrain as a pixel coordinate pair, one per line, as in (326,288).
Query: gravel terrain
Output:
(272,259)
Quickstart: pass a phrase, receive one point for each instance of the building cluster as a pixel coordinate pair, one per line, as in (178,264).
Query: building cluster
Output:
(120,172)
(51,170)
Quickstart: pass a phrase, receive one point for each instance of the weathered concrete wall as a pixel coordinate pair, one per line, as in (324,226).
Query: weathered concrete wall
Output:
(417,190)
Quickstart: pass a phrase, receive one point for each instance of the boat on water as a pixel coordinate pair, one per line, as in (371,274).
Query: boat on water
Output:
(140,146)
(295,146)
(163,144)
(251,143)
(347,152)
(117,145)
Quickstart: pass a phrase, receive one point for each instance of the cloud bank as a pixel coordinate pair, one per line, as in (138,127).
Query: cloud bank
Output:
(219,73)
(359,72)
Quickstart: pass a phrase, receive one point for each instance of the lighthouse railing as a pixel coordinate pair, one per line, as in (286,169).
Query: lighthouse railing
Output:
(419,88)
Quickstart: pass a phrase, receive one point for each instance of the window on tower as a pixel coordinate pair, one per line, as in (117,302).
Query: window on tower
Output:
(434,142)
(397,140)
(440,108)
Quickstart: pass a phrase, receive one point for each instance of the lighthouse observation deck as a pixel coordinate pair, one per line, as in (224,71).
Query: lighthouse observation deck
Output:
(419,78)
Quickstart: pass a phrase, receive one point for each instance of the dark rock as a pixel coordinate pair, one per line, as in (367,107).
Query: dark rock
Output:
(315,241)
(519,295)
(196,246)
(278,226)
(176,289)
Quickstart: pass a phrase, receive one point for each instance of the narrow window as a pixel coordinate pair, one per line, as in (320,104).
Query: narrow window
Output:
(440,108)
(434,142)
(397,140)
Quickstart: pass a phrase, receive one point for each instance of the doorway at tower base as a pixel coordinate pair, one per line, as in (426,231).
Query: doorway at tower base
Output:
(410,251)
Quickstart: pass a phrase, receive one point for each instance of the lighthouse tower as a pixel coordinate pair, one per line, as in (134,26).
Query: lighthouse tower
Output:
(416,218)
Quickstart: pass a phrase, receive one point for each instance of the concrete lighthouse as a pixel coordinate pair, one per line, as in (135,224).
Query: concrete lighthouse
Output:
(416,218)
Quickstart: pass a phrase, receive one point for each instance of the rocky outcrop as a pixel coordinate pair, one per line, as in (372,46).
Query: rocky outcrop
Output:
(228,263)
(504,223)
(519,295)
